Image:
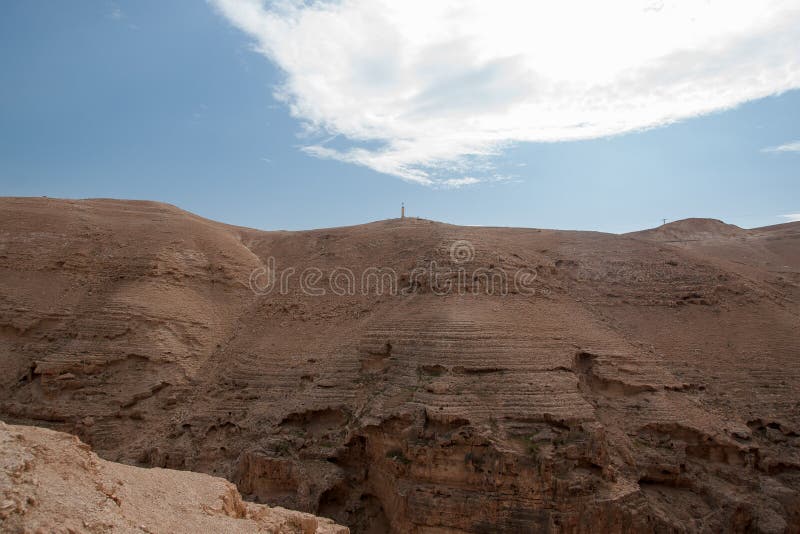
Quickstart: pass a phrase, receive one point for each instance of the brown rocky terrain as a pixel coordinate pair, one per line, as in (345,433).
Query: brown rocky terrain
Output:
(641,382)
(52,482)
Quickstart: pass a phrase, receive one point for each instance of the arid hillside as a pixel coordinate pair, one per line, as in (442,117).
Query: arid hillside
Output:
(413,376)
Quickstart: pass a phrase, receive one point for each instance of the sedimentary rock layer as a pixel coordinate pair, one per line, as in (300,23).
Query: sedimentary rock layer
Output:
(638,382)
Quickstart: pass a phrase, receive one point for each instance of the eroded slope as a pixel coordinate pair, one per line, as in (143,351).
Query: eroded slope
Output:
(632,382)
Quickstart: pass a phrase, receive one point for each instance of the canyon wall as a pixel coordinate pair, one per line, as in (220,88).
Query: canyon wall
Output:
(632,383)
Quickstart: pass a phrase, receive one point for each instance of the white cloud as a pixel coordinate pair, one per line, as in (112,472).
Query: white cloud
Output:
(458,182)
(794,146)
(437,90)
(793,217)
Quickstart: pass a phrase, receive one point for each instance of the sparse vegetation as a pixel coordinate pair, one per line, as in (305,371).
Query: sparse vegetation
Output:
(282,448)
(532,447)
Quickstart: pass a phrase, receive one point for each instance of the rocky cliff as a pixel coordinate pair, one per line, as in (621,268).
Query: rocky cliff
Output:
(413,376)
(52,482)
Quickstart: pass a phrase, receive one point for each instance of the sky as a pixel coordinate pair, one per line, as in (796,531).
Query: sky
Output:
(297,115)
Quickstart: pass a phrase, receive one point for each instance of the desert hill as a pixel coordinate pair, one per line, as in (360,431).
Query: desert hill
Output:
(691,230)
(500,379)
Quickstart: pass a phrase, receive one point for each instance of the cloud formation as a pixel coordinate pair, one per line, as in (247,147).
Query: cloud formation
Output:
(431,92)
(794,146)
(793,217)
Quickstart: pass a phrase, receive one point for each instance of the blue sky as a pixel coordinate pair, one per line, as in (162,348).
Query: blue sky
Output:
(170,101)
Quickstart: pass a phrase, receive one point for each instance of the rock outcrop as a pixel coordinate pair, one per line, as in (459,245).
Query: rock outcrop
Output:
(52,482)
(449,379)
